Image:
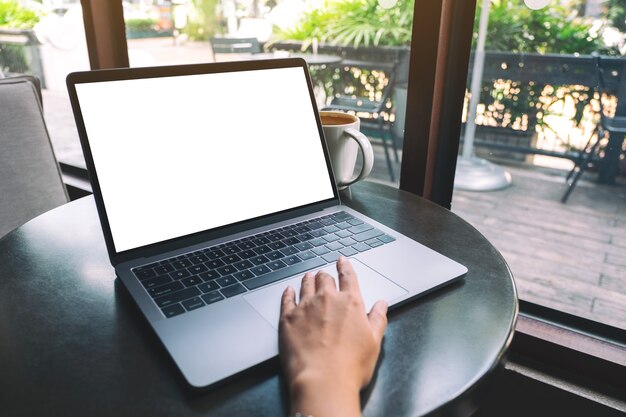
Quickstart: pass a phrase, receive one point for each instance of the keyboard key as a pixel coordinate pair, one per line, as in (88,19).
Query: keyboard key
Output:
(192,303)
(226,281)
(314,225)
(348,251)
(196,269)
(317,233)
(243,275)
(331,229)
(291,241)
(181,264)
(305,236)
(321,250)
(360,228)
(277,245)
(243,265)
(198,259)
(317,242)
(328,221)
(230,250)
(275,237)
(331,257)
(306,255)
(173,310)
(208,286)
(289,232)
(212,297)
(183,273)
(261,241)
(177,296)
(156,281)
(331,237)
(226,270)
(215,254)
(362,247)
(248,253)
(386,238)
(289,250)
(260,270)
(343,233)
(303,246)
(261,250)
(284,273)
(362,237)
(343,225)
(145,273)
(374,243)
(191,281)
(209,275)
(342,216)
(347,241)
(334,246)
(274,265)
(233,290)
(290,260)
(165,289)
(230,259)
(302,229)
(214,264)
(163,269)
(259,260)
(355,222)
(246,245)
(275,255)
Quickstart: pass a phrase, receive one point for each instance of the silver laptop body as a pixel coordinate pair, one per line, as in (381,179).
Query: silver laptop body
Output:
(200,174)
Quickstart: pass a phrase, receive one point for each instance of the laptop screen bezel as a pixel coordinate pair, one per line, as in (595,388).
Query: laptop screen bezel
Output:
(180,70)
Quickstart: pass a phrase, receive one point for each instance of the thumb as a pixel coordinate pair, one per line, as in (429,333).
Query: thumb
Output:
(378,319)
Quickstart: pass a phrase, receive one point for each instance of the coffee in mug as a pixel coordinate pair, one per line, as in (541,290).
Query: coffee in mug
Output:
(344,140)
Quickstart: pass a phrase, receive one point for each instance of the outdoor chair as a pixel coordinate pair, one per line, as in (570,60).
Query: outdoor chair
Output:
(616,125)
(375,108)
(234,46)
(30,179)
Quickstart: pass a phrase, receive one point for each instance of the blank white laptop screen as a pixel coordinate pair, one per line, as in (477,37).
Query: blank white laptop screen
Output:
(179,155)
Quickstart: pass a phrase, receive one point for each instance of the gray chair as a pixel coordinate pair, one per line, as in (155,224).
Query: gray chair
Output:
(235,46)
(30,179)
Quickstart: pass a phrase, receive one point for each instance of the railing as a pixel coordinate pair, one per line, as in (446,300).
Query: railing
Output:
(19,53)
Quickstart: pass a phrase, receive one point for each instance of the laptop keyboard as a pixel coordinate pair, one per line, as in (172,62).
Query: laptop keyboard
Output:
(194,280)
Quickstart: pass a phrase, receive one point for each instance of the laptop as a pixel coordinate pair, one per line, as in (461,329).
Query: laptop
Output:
(215,192)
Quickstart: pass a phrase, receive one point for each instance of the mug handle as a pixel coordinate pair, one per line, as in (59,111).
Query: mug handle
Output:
(366,151)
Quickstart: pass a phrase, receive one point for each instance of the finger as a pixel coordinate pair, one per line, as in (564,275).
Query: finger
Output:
(307,288)
(347,277)
(378,319)
(324,282)
(287,301)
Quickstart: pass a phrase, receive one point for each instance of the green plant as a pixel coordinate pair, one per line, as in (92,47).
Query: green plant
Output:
(14,16)
(202,22)
(141,25)
(356,23)
(513,27)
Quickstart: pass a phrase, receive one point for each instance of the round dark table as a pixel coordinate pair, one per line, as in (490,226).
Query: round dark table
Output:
(72,343)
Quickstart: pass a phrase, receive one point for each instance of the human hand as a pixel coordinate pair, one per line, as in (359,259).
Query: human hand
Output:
(328,344)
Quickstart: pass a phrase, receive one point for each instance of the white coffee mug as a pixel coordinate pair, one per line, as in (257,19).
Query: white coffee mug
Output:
(344,140)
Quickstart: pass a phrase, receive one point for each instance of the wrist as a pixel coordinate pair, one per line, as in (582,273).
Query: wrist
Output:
(320,395)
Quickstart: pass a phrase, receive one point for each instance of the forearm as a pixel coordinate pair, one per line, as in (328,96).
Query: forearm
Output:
(324,397)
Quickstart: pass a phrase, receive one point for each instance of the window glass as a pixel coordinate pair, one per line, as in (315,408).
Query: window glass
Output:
(358,52)
(541,173)
(47,39)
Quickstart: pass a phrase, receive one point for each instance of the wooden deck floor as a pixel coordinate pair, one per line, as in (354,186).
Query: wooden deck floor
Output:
(571,257)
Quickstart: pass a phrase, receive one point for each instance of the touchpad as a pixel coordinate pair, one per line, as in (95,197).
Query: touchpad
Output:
(374,287)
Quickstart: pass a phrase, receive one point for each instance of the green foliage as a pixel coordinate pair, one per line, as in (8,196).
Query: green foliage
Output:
(202,22)
(14,16)
(141,25)
(617,14)
(513,27)
(356,23)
